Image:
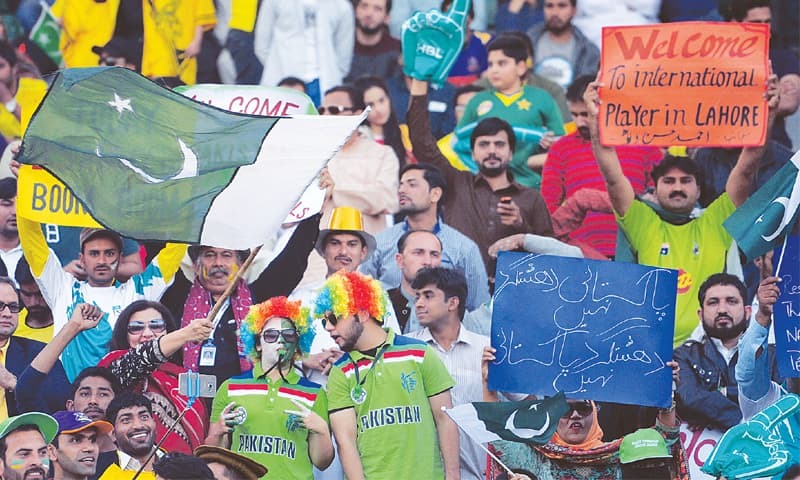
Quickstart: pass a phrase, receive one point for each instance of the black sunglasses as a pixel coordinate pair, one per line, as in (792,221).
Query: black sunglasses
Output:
(331,318)
(271,335)
(156,325)
(334,109)
(584,409)
(12,307)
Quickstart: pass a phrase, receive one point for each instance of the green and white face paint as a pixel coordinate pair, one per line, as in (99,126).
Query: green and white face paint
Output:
(278,340)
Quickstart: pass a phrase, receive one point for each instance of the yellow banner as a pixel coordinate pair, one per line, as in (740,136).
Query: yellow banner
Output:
(43,198)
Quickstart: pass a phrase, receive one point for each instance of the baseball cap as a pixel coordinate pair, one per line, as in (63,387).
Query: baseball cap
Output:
(74,422)
(346,220)
(643,444)
(246,467)
(91,233)
(46,424)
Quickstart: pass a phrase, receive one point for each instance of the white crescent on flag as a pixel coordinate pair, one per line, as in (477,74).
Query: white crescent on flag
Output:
(789,204)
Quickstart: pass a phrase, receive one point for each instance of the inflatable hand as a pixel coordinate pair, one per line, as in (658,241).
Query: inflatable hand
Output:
(432,41)
(757,448)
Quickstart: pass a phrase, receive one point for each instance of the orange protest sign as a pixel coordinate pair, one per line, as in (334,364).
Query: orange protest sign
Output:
(692,84)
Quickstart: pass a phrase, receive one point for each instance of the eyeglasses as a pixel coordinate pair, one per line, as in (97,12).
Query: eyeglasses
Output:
(271,335)
(12,307)
(334,109)
(584,409)
(331,318)
(156,325)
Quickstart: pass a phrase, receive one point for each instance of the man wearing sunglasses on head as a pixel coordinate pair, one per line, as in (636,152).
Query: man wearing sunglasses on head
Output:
(364,172)
(276,417)
(16,353)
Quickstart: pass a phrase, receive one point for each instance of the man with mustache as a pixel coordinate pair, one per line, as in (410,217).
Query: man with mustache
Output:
(571,166)
(214,268)
(24,441)
(75,449)
(707,393)
(695,244)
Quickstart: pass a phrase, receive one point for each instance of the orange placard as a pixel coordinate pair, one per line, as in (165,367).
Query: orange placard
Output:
(693,84)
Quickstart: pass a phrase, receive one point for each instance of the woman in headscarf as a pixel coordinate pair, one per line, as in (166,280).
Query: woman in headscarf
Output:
(277,417)
(577,451)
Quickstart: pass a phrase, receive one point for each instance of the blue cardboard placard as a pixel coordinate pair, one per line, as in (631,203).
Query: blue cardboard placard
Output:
(593,329)
(786,312)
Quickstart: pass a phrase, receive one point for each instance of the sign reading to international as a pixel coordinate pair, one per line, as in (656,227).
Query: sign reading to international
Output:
(692,84)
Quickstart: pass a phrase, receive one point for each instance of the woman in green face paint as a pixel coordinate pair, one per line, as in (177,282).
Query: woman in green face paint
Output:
(276,417)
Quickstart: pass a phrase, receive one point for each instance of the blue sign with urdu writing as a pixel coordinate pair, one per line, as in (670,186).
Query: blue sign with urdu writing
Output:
(593,329)
(786,312)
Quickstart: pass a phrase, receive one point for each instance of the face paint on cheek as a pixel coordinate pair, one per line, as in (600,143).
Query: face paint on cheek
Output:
(203,272)
(16,464)
(114,265)
(232,274)
(46,462)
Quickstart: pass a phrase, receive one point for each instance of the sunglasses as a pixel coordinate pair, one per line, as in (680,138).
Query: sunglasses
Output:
(156,325)
(331,318)
(584,409)
(271,335)
(334,109)
(12,307)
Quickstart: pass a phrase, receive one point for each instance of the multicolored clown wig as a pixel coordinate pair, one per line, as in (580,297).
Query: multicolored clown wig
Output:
(276,307)
(345,293)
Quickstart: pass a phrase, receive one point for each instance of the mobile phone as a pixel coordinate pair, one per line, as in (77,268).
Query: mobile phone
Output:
(193,384)
(505,200)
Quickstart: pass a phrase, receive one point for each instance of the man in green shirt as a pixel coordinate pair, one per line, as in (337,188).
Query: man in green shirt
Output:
(387,393)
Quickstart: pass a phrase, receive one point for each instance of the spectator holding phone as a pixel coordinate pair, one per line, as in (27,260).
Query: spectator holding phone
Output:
(143,351)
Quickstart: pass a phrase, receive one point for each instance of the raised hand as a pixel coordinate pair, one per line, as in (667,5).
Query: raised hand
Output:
(432,41)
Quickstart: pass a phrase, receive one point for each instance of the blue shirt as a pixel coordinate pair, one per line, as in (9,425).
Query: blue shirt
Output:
(458,252)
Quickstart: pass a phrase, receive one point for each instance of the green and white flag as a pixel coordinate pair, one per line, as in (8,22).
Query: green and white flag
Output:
(529,421)
(152,164)
(760,224)
(46,33)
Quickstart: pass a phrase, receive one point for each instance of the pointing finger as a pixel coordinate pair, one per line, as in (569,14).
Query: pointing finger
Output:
(458,11)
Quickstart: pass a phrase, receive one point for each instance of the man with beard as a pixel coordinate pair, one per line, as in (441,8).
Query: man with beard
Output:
(421,193)
(387,394)
(707,393)
(695,244)
(135,434)
(571,167)
(490,205)
(214,268)
(75,449)
(562,52)
(376,50)
(24,441)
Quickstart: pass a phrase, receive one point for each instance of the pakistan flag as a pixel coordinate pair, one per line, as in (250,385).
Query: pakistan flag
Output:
(155,165)
(529,421)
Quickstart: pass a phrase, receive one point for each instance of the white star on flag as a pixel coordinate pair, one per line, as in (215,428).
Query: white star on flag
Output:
(121,105)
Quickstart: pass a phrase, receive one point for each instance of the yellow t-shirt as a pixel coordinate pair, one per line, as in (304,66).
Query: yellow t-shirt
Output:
(243,15)
(81,29)
(30,93)
(43,335)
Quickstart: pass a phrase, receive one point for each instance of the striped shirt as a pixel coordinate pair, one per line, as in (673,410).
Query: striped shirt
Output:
(571,166)
(458,252)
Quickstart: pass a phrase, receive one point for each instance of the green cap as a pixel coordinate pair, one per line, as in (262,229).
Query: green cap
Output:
(642,444)
(46,424)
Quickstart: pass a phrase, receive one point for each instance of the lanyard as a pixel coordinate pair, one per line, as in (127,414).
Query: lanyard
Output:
(360,382)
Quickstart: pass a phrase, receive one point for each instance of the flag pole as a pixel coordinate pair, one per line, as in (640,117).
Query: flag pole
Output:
(227,293)
(494,457)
